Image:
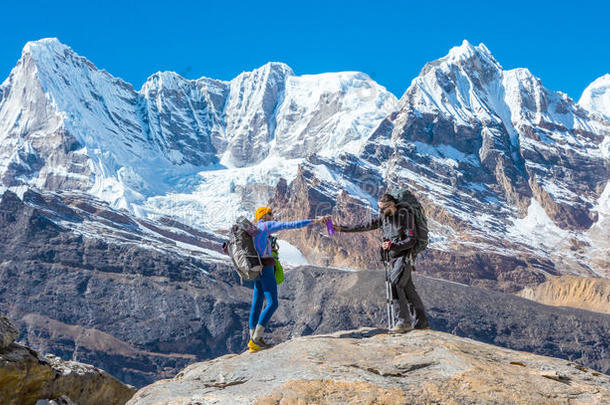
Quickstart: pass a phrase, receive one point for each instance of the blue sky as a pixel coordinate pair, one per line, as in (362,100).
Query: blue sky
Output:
(566,44)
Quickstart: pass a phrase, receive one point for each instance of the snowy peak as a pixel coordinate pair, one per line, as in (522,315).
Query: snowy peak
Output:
(45,49)
(457,85)
(596,97)
(80,126)
(469,85)
(53,58)
(467,52)
(519,143)
(163,79)
(329,113)
(32,129)
(465,57)
(278,69)
(250,108)
(170,79)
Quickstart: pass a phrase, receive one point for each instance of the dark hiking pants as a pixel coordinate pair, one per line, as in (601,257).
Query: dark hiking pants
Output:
(406,300)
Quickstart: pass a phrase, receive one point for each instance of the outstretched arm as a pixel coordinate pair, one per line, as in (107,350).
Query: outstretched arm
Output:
(362,227)
(274,226)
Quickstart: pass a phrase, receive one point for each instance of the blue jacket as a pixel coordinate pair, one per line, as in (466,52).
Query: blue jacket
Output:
(266,228)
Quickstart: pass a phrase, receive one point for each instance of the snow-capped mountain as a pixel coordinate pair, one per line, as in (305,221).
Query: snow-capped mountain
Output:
(65,124)
(510,126)
(515,144)
(596,97)
(513,176)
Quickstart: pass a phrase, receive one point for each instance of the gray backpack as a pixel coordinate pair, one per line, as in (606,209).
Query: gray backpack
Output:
(242,251)
(407,200)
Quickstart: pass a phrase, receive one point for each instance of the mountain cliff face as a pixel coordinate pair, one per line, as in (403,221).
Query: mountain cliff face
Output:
(27,376)
(368,367)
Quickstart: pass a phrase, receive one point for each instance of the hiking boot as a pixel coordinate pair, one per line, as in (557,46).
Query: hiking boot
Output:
(401,327)
(254,347)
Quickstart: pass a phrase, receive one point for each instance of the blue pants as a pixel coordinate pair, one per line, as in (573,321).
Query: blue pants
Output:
(265,287)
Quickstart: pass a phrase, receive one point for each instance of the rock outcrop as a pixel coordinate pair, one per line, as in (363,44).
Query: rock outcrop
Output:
(368,367)
(8,332)
(27,376)
(588,293)
(321,300)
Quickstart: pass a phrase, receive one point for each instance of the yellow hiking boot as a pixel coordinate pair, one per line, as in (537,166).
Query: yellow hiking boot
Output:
(258,345)
(253,347)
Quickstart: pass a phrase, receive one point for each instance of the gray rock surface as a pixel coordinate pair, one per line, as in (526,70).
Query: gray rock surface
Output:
(361,367)
(8,332)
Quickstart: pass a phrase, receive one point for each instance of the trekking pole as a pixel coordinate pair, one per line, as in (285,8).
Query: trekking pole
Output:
(388,294)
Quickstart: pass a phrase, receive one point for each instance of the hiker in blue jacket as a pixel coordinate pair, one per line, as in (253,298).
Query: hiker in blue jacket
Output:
(265,287)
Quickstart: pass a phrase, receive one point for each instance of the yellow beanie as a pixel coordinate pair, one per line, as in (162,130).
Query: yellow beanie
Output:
(260,212)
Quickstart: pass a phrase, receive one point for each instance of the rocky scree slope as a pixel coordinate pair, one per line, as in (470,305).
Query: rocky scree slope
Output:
(592,294)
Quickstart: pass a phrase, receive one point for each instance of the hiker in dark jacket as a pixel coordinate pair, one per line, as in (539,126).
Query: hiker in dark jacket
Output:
(399,238)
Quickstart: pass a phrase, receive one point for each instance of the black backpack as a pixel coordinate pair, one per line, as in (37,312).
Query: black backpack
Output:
(240,247)
(407,200)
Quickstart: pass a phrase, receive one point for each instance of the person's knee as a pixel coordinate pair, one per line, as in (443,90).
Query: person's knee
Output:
(271,298)
(273,304)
